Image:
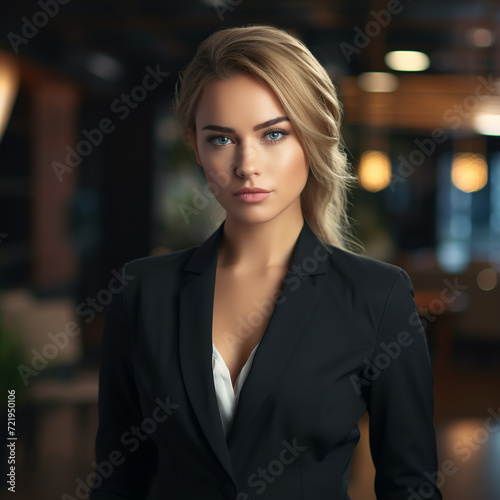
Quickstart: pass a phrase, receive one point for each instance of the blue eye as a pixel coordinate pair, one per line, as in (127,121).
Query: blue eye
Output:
(219,140)
(275,135)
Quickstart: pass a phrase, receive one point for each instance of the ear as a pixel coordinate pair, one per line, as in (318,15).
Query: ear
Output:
(192,141)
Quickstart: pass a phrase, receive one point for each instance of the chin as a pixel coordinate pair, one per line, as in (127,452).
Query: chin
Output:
(251,216)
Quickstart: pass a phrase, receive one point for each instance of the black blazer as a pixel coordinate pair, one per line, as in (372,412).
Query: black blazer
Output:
(344,338)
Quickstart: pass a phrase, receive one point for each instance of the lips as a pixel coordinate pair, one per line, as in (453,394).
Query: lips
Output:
(253,197)
(251,190)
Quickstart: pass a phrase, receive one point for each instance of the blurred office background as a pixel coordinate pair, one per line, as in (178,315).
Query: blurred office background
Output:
(93,172)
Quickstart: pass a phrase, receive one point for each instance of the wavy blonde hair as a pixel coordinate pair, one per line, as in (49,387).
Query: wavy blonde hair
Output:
(309,99)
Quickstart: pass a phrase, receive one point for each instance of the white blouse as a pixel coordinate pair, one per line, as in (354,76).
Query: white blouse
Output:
(227,397)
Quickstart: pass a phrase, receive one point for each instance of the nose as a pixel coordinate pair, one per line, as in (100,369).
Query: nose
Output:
(246,162)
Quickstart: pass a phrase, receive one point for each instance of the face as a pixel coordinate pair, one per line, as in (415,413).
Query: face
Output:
(245,140)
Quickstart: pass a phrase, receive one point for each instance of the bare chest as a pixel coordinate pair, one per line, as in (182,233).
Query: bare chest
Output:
(242,309)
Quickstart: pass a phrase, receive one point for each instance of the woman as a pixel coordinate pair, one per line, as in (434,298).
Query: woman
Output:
(240,368)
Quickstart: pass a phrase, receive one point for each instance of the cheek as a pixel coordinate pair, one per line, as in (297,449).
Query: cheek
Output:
(294,165)
(215,161)
(218,180)
(212,161)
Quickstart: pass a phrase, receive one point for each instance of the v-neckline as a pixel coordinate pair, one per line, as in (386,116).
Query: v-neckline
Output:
(227,369)
(273,312)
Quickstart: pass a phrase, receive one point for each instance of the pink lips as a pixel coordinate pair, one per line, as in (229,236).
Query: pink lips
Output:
(252,197)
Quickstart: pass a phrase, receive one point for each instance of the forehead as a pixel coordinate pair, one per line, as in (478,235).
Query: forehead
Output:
(239,100)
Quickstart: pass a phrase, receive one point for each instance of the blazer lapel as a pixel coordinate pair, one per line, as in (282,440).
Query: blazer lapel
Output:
(299,294)
(195,344)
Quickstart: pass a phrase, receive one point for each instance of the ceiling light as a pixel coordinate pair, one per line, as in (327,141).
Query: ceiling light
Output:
(487,123)
(486,119)
(407,60)
(374,171)
(469,172)
(9,82)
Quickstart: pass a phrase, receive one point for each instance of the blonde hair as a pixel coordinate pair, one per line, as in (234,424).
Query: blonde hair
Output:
(309,99)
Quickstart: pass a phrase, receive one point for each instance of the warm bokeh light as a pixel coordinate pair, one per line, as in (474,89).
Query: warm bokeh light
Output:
(407,60)
(487,123)
(481,37)
(374,171)
(377,81)
(9,82)
(469,172)
(486,117)
(487,279)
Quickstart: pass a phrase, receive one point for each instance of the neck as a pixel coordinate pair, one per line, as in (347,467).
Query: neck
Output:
(258,247)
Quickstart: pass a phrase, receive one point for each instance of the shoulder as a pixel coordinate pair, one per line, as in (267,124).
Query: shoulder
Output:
(379,295)
(156,266)
(363,271)
(368,287)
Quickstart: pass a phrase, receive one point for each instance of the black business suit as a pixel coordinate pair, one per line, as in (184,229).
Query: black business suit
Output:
(338,317)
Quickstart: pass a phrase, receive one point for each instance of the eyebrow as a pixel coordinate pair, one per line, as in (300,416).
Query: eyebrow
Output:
(257,127)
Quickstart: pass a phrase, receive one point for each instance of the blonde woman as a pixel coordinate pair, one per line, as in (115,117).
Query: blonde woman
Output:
(240,368)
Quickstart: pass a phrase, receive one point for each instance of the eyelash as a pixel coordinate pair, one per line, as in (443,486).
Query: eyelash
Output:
(283,132)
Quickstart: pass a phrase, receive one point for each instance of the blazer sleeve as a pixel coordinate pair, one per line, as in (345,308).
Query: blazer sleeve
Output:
(126,458)
(401,403)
